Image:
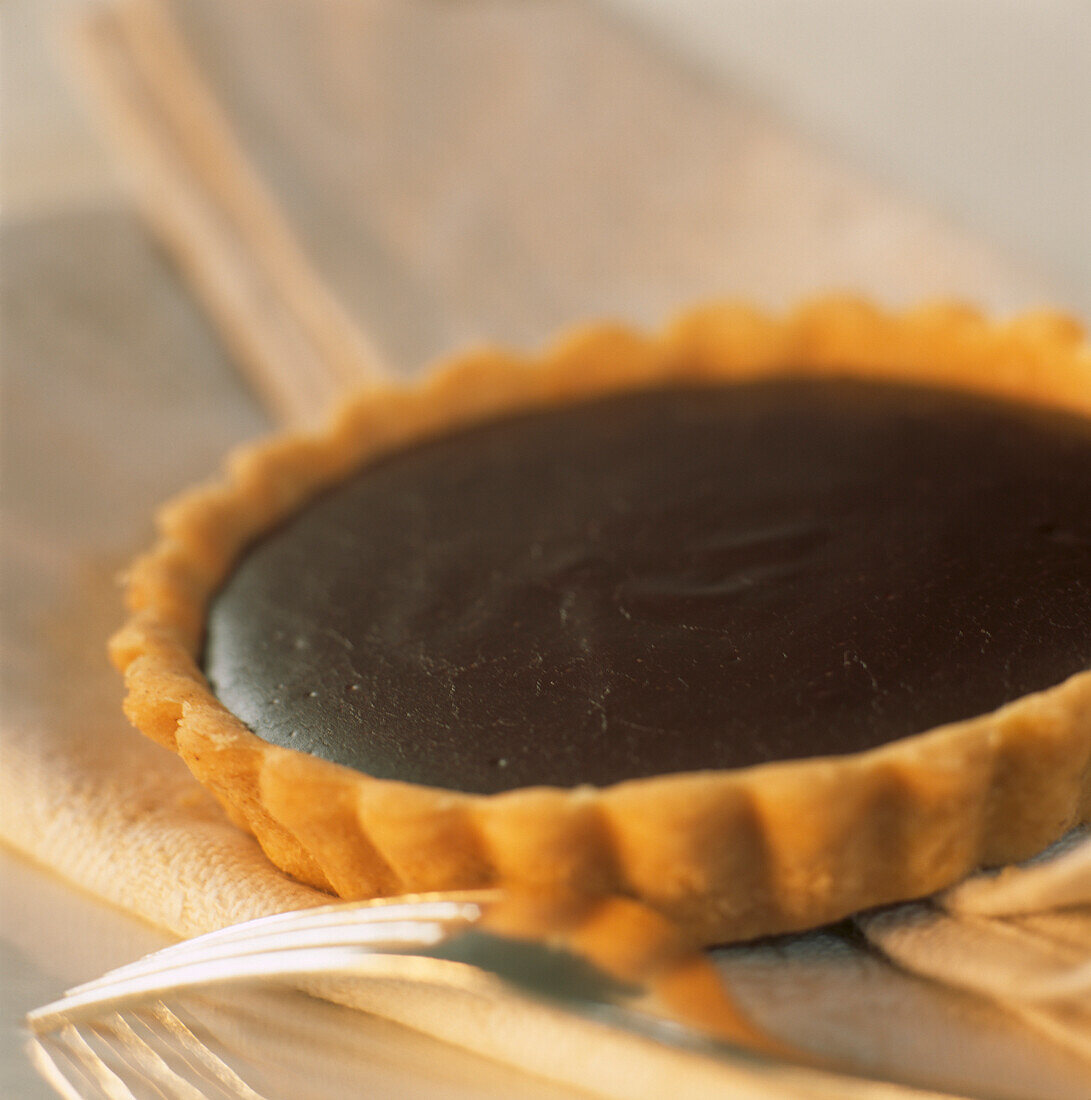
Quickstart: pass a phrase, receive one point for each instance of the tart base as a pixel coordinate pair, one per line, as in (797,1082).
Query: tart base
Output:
(727,854)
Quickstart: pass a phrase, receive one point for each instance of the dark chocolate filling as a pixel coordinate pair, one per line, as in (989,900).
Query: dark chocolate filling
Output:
(668,580)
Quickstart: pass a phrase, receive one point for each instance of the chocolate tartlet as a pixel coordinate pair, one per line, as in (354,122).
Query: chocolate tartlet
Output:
(761,622)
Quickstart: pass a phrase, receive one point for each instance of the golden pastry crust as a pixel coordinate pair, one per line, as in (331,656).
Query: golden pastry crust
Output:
(728,854)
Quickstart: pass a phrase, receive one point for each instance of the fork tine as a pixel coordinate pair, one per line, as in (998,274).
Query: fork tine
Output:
(73,1082)
(177,1036)
(93,1072)
(433,906)
(328,927)
(342,959)
(436,908)
(168,1052)
(341,935)
(142,1062)
(320,916)
(125,1057)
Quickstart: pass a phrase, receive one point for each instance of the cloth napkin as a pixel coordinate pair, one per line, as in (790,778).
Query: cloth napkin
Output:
(343,188)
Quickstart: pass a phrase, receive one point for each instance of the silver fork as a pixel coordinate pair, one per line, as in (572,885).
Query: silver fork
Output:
(343,939)
(117,1038)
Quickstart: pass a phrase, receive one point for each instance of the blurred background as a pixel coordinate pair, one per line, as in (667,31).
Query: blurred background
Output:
(980,107)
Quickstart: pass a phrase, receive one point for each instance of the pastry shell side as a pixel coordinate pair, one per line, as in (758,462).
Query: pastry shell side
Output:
(728,854)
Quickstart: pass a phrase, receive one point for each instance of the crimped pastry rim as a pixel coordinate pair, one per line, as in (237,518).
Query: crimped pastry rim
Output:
(729,854)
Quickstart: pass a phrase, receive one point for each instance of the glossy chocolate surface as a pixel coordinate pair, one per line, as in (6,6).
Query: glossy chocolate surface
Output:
(666,581)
